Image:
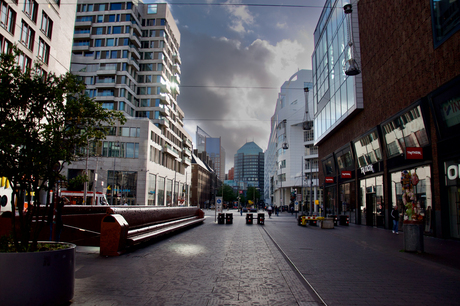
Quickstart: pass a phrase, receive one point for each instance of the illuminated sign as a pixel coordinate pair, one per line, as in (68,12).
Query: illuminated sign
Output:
(329,179)
(414,153)
(346,174)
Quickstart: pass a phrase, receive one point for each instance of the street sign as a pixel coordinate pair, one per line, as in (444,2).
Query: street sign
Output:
(219,204)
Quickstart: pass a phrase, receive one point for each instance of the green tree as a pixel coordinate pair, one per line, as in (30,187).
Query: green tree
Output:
(229,195)
(253,194)
(45,120)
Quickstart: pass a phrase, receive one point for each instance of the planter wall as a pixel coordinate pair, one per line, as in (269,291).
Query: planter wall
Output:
(39,278)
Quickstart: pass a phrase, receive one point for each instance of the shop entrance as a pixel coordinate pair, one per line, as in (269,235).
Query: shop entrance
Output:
(371,202)
(454,211)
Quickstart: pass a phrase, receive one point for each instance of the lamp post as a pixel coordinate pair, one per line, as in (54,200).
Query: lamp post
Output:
(114,159)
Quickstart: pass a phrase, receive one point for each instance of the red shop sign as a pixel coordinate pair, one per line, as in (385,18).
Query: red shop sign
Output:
(346,174)
(329,179)
(414,153)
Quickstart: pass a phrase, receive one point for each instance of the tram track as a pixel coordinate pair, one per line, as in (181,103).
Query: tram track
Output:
(309,286)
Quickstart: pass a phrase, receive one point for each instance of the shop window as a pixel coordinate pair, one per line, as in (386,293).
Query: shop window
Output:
(344,158)
(445,17)
(329,166)
(368,150)
(406,130)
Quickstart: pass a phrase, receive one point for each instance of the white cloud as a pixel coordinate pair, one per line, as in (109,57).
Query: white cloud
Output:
(241,17)
(280,25)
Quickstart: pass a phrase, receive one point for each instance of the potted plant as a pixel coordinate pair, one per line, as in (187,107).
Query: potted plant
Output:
(46,120)
(413,215)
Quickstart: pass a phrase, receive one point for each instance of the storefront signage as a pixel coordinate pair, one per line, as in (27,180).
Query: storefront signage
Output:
(453,171)
(329,179)
(451,111)
(414,153)
(346,174)
(368,168)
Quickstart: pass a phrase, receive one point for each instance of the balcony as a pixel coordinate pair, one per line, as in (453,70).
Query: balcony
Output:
(187,152)
(167,148)
(134,63)
(164,111)
(165,87)
(176,78)
(165,99)
(187,161)
(176,58)
(176,69)
(175,89)
(187,142)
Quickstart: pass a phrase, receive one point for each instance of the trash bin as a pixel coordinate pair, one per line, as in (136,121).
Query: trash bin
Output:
(220,218)
(260,219)
(344,220)
(229,218)
(334,217)
(248,218)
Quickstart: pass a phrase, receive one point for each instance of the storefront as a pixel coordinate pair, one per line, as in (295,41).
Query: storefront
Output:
(409,152)
(368,152)
(346,182)
(445,103)
(330,186)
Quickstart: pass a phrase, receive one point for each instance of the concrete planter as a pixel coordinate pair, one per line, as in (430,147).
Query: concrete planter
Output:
(327,223)
(413,236)
(38,278)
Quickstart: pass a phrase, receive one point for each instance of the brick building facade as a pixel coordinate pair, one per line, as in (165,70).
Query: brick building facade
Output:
(409,80)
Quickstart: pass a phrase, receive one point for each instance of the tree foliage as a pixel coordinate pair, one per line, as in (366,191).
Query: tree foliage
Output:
(229,194)
(44,120)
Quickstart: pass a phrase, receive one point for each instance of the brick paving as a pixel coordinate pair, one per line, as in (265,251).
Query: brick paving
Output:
(239,264)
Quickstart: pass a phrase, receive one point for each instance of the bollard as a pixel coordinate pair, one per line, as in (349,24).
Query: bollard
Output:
(229,218)
(220,218)
(261,219)
(248,218)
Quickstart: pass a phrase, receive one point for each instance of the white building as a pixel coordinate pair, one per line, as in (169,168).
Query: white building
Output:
(43,31)
(291,159)
(127,52)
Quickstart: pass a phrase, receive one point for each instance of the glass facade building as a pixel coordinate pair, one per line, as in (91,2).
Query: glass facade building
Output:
(336,96)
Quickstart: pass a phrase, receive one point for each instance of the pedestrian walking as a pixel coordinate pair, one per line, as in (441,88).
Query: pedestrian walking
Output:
(277,211)
(395,216)
(269,209)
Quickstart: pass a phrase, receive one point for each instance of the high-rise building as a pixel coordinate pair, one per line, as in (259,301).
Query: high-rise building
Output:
(127,53)
(291,158)
(249,166)
(213,147)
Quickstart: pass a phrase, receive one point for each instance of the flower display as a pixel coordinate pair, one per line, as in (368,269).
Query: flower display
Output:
(414,211)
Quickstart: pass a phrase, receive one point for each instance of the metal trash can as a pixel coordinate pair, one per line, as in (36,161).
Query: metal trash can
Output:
(229,218)
(248,218)
(261,219)
(220,218)
(344,220)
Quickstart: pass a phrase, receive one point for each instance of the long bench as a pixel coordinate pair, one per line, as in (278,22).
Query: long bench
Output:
(124,227)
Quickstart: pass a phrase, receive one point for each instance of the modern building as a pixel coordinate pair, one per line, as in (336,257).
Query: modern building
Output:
(43,32)
(213,147)
(291,158)
(127,53)
(400,114)
(249,167)
(231,174)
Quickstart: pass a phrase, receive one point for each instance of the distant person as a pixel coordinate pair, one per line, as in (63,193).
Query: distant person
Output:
(277,211)
(269,209)
(395,216)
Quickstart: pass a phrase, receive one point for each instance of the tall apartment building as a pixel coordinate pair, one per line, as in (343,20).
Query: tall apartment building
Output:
(291,158)
(400,114)
(213,147)
(43,32)
(249,167)
(127,53)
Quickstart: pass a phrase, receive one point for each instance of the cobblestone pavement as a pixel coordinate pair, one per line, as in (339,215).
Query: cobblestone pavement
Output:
(211,264)
(240,264)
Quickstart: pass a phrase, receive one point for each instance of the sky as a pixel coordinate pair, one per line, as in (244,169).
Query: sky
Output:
(235,58)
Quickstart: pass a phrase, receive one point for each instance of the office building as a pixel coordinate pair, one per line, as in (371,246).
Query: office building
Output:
(213,147)
(127,53)
(249,167)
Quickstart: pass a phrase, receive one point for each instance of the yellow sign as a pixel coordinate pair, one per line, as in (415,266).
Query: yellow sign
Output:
(316,202)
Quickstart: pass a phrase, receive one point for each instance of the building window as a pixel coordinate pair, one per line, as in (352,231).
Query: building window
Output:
(31,9)
(24,62)
(445,16)
(115,6)
(27,35)
(5,45)
(47,25)
(43,51)
(152,9)
(7,17)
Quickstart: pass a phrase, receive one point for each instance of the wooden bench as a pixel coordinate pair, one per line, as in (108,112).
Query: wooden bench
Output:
(124,227)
